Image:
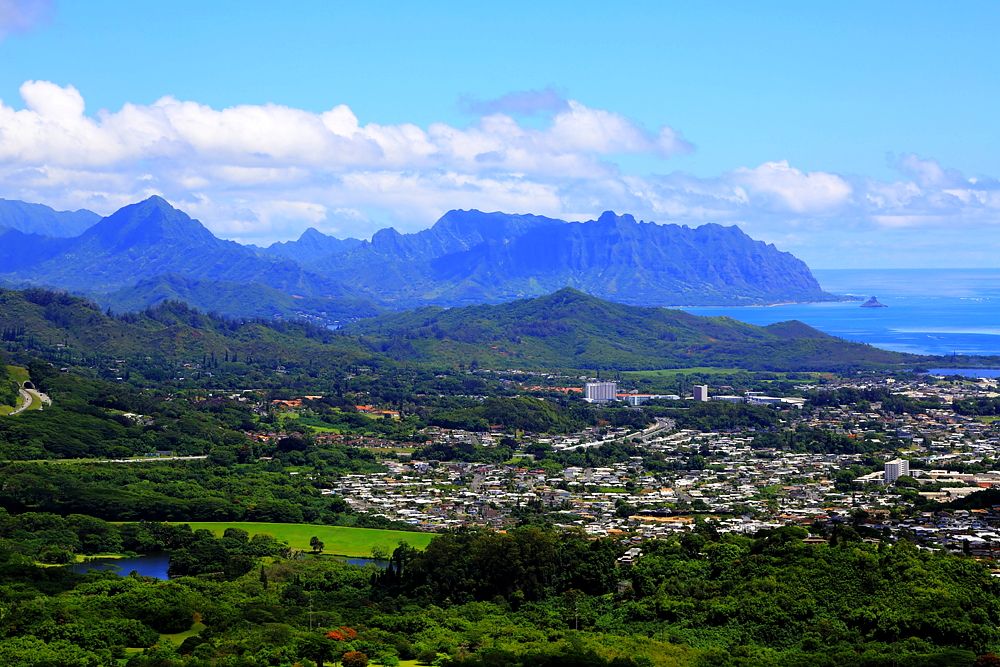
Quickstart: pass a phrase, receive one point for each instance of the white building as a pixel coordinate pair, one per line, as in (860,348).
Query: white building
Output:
(895,469)
(599,392)
(639,399)
(701,392)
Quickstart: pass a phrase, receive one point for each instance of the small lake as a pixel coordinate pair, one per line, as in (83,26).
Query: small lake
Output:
(967,372)
(361,561)
(156,565)
(149,565)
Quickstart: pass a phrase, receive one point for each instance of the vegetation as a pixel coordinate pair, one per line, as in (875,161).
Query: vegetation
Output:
(569,329)
(267,415)
(339,540)
(9,386)
(474,597)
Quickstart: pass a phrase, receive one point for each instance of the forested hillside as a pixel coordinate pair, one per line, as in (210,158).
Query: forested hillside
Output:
(570,329)
(567,329)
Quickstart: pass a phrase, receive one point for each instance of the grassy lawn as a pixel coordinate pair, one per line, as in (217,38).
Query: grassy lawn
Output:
(667,373)
(988,419)
(178,637)
(36,403)
(18,374)
(338,540)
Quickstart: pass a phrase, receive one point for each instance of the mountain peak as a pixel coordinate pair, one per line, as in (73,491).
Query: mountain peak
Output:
(312,234)
(612,218)
(149,222)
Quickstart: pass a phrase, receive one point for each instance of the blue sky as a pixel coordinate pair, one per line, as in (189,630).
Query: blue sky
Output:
(835,130)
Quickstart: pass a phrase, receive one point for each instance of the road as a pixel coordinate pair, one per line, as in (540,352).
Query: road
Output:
(28,398)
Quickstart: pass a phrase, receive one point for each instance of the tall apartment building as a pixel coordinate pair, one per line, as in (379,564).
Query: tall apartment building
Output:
(895,469)
(701,392)
(599,392)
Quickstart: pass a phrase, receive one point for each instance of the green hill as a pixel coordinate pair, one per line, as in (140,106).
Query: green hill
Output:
(74,331)
(570,329)
(567,330)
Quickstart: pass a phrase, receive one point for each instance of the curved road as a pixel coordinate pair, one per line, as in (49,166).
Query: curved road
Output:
(28,396)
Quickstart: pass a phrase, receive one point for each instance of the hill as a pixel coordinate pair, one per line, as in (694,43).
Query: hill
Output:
(167,341)
(567,329)
(570,329)
(474,257)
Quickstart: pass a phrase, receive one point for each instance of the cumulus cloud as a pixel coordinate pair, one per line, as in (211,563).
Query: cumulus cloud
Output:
(785,186)
(236,156)
(266,172)
(18,16)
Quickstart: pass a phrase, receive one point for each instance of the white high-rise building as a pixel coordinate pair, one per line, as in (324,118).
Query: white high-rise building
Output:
(701,392)
(599,392)
(895,469)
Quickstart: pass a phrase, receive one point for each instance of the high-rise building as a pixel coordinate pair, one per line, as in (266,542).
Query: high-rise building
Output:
(701,392)
(599,392)
(895,469)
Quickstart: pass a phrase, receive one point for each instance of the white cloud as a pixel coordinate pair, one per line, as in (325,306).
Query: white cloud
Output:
(794,190)
(266,172)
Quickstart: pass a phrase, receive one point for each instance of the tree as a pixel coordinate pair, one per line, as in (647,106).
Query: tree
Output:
(354,659)
(316,544)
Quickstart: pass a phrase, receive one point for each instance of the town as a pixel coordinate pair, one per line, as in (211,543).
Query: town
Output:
(895,471)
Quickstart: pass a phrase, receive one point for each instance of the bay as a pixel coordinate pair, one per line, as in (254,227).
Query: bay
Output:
(930,311)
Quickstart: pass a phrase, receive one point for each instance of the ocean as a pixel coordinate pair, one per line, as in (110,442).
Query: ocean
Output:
(930,311)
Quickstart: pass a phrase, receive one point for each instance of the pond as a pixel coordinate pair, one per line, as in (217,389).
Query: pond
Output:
(155,565)
(148,565)
(362,561)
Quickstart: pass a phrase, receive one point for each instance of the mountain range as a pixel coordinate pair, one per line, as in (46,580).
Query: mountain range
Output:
(150,251)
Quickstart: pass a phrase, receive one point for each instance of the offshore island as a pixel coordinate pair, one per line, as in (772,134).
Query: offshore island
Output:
(873,303)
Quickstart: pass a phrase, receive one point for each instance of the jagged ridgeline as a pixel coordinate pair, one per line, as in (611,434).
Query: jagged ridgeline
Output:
(150,252)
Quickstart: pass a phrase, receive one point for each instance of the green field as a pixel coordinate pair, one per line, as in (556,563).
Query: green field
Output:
(667,373)
(18,374)
(338,540)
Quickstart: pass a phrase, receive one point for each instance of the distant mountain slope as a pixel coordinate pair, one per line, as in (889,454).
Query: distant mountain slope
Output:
(311,246)
(570,329)
(44,221)
(152,238)
(235,300)
(475,257)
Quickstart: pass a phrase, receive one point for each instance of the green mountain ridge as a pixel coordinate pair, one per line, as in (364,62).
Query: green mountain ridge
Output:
(570,329)
(567,329)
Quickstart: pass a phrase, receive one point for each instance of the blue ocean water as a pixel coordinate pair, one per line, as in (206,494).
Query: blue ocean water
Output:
(930,311)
